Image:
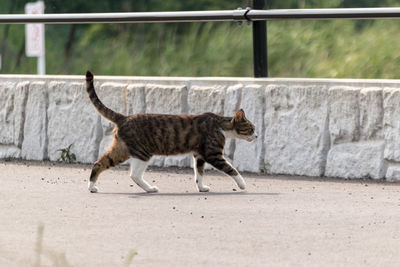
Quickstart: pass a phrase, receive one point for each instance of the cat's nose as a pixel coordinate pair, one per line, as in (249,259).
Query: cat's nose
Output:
(252,137)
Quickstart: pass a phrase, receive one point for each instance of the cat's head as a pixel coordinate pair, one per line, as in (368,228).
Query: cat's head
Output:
(242,127)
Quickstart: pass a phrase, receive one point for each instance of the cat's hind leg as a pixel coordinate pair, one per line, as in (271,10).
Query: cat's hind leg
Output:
(116,154)
(199,164)
(137,170)
(218,161)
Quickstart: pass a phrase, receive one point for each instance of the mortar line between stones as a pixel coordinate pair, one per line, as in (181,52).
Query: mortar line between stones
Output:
(262,156)
(326,144)
(46,123)
(326,141)
(25,88)
(185,101)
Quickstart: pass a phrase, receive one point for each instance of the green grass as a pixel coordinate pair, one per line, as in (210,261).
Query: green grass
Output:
(206,50)
(335,49)
(326,49)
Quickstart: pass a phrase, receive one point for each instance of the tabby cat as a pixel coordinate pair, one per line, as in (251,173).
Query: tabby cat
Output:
(139,137)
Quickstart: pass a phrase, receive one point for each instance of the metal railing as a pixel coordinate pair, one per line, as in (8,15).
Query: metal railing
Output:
(205,16)
(257,16)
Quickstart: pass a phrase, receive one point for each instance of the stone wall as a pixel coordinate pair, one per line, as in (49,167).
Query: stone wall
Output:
(314,127)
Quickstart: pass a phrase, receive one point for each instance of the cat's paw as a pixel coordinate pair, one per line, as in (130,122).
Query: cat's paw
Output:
(152,189)
(242,185)
(92,188)
(240,181)
(204,188)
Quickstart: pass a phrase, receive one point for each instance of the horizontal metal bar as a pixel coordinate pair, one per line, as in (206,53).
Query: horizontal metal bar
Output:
(325,14)
(127,17)
(204,16)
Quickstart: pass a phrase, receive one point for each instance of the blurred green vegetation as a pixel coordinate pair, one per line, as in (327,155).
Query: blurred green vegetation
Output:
(325,49)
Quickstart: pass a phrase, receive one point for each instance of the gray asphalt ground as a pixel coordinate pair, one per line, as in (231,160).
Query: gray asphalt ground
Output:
(48,218)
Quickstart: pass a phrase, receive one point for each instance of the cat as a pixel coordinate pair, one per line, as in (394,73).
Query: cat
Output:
(139,137)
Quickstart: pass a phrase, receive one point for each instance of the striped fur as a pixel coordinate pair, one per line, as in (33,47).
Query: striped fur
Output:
(142,136)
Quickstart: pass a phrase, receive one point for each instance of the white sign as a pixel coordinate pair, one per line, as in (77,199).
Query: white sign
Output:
(34,33)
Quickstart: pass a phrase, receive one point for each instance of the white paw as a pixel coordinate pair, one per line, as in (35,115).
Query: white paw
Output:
(240,182)
(204,188)
(152,189)
(92,188)
(242,185)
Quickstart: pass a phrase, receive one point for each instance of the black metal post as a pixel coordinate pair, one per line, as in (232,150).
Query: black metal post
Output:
(260,56)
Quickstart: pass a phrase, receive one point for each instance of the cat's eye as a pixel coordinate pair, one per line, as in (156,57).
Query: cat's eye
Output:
(249,131)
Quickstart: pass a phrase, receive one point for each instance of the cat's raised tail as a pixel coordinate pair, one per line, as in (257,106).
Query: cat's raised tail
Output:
(107,113)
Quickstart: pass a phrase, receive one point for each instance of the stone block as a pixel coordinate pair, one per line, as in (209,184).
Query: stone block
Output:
(166,99)
(135,99)
(249,156)
(12,115)
(178,161)
(371,113)
(357,160)
(203,99)
(393,172)
(7,112)
(391,123)
(34,145)
(72,119)
(296,135)
(9,151)
(13,97)
(344,114)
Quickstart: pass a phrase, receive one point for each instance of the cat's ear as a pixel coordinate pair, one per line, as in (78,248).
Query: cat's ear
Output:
(240,114)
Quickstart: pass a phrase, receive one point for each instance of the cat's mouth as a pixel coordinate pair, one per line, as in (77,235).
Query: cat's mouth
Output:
(251,138)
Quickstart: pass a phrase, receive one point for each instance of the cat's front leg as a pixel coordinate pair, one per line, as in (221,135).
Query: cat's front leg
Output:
(137,170)
(219,162)
(239,181)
